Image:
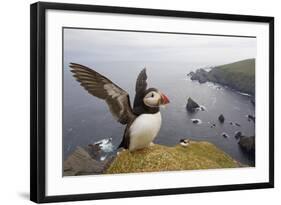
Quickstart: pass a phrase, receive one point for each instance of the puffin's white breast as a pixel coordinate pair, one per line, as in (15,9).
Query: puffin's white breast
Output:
(143,130)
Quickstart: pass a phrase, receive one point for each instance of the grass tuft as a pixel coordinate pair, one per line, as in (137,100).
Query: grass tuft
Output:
(197,155)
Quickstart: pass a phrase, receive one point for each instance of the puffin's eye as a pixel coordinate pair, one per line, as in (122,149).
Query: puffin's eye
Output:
(152,95)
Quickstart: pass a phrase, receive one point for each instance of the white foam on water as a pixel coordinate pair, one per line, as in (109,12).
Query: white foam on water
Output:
(245,94)
(106,144)
(203,108)
(199,121)
(102,158)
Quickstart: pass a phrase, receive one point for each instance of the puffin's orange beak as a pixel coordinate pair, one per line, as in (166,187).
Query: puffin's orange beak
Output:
(164,99)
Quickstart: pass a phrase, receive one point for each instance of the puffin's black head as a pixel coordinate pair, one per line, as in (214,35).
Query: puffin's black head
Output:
(154,98)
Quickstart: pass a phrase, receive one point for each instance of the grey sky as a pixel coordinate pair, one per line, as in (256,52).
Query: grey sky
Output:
(96,45)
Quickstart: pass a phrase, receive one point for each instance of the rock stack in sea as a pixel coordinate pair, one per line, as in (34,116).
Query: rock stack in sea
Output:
(191,105)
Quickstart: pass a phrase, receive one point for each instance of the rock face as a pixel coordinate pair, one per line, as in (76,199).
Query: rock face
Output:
(81,162)
(191,74)
(201,75)
(247,143)
(187,155)
(221,118)
(239,75)
(191,105)
(196,155)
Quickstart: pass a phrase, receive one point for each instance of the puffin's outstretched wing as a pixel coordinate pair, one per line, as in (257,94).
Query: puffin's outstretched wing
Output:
(141,83)
(96,84)
(141,86)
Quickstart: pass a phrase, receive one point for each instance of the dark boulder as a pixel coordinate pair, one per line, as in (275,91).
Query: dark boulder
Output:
(191,105)
(251,117)
(225,135)
(238,134)
(94,150)
(221,118)
(195,121)
(247,143)
(81,162)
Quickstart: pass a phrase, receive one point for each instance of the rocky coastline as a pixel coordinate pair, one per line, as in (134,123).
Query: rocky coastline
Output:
(239,76)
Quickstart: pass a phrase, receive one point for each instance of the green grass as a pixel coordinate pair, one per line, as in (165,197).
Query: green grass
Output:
(239,75)
(197,155)
(244,67)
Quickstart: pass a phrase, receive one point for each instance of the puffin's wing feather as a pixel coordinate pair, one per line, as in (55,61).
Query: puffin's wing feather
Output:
(96,84)
(141,83)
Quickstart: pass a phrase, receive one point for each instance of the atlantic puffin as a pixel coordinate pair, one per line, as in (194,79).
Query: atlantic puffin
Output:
(143,121)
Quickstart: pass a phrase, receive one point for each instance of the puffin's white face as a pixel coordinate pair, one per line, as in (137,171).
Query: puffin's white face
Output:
(155,99)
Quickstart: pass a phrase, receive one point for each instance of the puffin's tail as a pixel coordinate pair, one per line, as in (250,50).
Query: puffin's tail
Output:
(125,140)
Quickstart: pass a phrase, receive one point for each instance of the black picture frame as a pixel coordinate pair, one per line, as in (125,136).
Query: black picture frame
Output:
(38,100)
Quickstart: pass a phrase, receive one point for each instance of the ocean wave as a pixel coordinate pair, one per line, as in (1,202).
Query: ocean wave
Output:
(105,144)
(245,94)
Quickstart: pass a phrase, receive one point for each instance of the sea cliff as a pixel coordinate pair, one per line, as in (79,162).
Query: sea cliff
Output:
(184,156)
(238,75)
